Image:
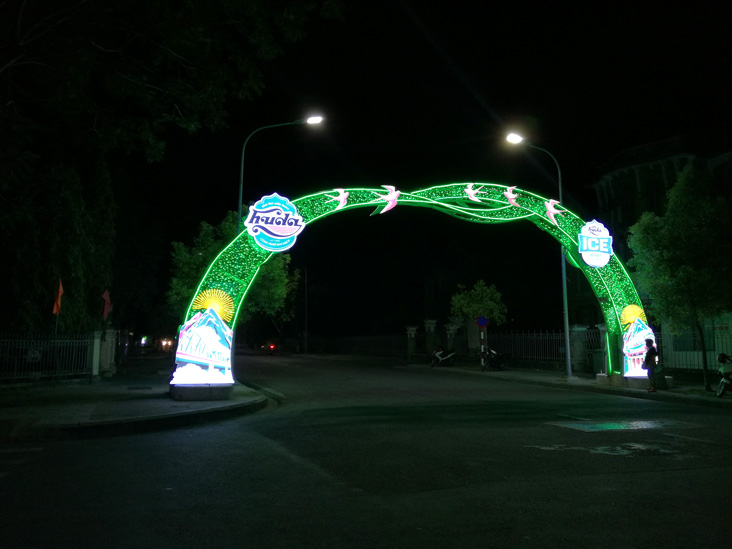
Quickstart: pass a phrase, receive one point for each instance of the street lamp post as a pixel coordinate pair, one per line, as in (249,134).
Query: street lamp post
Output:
(310,120)
(516,139)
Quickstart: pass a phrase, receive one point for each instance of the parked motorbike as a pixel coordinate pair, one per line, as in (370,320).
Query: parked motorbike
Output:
(494,360)
(439,358)
(725,372)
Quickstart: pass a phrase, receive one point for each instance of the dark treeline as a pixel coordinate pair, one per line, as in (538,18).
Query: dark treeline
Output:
(89,93)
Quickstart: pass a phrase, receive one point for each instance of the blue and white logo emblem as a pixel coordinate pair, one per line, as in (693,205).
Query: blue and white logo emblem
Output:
(595,244)
(274,224)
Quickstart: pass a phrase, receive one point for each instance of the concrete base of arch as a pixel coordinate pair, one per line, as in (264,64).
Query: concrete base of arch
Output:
(630,382)
(202,392)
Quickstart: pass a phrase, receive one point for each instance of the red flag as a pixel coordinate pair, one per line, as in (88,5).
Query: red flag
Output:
(57,303)
(107,304)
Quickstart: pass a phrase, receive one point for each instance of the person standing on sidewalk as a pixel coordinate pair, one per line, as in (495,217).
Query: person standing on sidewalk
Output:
(649,364)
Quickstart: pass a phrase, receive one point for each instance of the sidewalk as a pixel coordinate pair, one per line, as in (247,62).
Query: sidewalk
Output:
(135,399)
(688,391)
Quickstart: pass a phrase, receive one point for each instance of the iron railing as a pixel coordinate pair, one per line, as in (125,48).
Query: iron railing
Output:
(44,357)
(684,351)
(541,346)
(678,352)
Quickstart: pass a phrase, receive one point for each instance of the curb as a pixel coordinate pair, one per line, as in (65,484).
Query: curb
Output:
(140,424)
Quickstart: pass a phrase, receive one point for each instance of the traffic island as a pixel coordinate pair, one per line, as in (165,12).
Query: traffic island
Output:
(216,391)
(633,382)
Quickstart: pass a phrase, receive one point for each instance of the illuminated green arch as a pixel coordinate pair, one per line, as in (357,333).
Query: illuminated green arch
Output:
(235,268)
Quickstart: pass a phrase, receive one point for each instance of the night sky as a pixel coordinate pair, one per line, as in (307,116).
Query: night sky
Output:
(421,93)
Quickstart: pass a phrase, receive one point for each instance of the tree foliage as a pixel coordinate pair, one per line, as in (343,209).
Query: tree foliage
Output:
(682,259)
(271,294)
(273,291)
(189,262)
(85,87)
(114,75)
(66,231)
(481,300)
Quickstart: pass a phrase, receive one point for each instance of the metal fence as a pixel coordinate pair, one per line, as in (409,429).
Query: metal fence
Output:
(683,351)
(541,346)
(678,352)
(44,357)
(546,346)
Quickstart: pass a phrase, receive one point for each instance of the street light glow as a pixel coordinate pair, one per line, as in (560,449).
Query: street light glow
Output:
(514,138)
(311,120)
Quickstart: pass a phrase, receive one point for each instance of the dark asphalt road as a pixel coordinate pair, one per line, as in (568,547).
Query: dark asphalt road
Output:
(362,454)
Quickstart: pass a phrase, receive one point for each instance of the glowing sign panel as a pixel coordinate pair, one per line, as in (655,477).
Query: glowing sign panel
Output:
(634,347)
(595,244)
(274,223)
(204,351)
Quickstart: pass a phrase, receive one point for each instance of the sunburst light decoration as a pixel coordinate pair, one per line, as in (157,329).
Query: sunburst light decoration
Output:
(218,300)
(631,313)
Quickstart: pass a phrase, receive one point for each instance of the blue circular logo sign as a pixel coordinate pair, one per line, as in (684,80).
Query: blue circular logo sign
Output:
(274,223)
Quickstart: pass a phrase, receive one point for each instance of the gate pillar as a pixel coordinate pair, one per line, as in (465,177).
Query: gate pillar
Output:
(430,335)
(578,347)
(411,341)
(451,330)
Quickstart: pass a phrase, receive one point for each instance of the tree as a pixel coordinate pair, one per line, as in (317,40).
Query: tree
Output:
(88,87)
(189,263)
(116,75)
(273,292)
(64,230)
(682,259)
(271,295)
(481,300)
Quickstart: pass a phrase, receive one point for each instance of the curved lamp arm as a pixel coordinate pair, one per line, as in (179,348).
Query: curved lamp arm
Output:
(310,120)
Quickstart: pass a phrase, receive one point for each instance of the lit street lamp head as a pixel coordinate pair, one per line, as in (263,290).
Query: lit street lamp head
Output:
(514,138)
(310,120)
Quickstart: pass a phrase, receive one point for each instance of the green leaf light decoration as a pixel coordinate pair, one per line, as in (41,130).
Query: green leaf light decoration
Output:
(235,268)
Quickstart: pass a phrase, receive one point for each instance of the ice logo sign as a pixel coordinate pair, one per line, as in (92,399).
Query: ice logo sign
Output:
(595,244)
(274,224)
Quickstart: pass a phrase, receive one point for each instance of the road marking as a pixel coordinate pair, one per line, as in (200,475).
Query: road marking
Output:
(625,450)
(574,417)
(689,438)
(595,426)
(303,462)
(270,393)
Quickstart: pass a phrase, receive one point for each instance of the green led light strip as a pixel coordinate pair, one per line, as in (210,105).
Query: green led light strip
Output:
(235,268)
